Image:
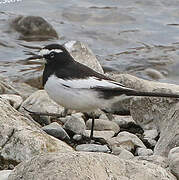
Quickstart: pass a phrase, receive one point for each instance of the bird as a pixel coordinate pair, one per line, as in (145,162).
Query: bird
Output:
(78,87)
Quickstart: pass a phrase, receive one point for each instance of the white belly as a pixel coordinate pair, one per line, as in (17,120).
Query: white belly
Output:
(83,100)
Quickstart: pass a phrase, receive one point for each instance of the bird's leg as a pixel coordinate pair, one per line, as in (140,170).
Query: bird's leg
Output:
(92,127)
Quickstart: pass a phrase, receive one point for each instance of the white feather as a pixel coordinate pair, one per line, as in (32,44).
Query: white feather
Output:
(78,95)
(46,51)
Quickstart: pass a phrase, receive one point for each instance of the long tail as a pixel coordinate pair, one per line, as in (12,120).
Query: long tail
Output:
(150,94)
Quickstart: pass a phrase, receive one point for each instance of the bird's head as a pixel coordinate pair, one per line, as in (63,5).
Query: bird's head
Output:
(53,53)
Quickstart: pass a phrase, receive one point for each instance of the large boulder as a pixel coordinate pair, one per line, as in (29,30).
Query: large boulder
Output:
(33,28)
(85,165)
(21,138)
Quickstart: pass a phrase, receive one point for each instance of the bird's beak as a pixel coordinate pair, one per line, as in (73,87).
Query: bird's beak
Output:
(35,56)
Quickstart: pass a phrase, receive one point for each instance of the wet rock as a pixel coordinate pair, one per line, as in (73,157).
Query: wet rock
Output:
(21,138)
(101,134)
(39,101)
(153,73)
(87,165)
(126,140)
(5,174)
(14,100)
(92,148)
(83,54)
(173,157)
(103,125)
(55,130)
(122,153)
(33,28)
(75,124)
(143,152)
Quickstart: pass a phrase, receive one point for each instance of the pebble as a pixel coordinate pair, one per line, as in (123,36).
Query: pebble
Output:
(55,130)
(103,125)
(122,153)
(92,148)
(4,174)
(75,125)
(144,152)
(100,134)
(125,140)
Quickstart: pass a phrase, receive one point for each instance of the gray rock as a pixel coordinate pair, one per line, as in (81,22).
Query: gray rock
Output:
(173,157)
(21,89)
(21,138)
(87,165)
(83,54)
(39,101)
(77,137)
(152,134)
(4,174)
(92,148)
(125,140)
(56,130)
(75,124)
(101,134)
(14,100)
(169,131)
(155,159)
(122,153)
(122,120)
(33,28)
(103,125)
(144,152)
(123,106)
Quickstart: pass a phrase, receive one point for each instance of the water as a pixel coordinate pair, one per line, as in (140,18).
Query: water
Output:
(126,35)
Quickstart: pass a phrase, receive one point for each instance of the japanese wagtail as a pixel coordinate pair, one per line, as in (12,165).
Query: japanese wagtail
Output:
(78,87)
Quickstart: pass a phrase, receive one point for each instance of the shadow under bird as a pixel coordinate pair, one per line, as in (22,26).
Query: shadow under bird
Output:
(78,87)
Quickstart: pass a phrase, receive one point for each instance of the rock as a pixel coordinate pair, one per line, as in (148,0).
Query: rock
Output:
(169,131)
(173,157)
(123,106)
(125,140)
(122,120)
(77,137)
(55,130)
(21,138)
(101,134)
(144,152)
(155,159)
(92,148)
(103,125)
(39,101)
(5,174)
(33,28)
(122,153)
(21,89)
(152,111)
(154,74)
(14,100)
(87,165)
(151,134)
(83,54)
(75,124)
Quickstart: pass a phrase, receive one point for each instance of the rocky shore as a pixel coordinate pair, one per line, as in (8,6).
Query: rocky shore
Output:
(141,135)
